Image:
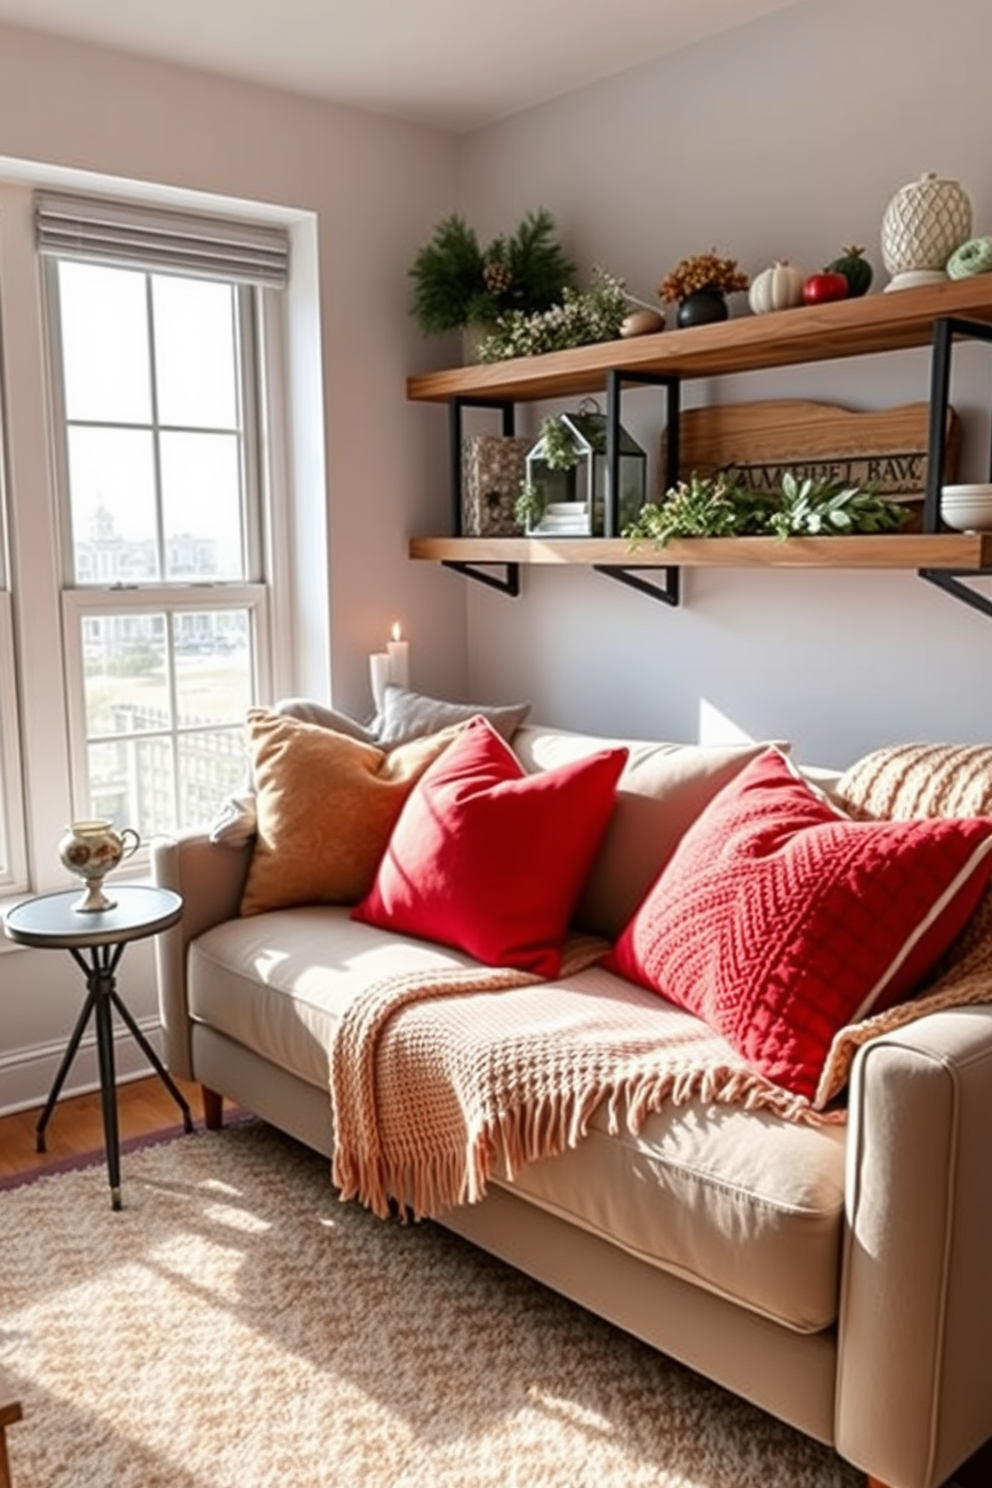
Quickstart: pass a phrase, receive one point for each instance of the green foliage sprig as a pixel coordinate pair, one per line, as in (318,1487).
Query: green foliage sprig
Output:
(825,508)
(561,452)
(702,506)
(528,509)
(579,318)
(456,282)
(721,506)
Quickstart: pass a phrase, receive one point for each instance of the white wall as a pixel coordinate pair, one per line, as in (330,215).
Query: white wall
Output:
(785,138)
(375,189)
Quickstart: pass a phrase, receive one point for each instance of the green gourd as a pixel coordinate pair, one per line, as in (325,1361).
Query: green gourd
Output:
(856,270)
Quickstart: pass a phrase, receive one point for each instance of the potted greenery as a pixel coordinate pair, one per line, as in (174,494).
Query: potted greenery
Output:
(457,284)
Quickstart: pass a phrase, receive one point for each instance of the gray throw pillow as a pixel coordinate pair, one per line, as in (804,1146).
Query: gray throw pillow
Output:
(407,715)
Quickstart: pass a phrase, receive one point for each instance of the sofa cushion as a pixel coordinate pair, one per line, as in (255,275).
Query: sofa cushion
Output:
(490,859)
(780,921)
(326,804)
(661,791)
(407,715)
(740,1202)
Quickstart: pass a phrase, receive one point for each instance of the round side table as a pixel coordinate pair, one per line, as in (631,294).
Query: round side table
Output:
(96,943)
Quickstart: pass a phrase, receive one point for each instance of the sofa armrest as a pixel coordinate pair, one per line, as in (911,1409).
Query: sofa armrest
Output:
(210,878)
(915,1329)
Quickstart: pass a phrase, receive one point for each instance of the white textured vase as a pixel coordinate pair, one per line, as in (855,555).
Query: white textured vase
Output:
(923,224)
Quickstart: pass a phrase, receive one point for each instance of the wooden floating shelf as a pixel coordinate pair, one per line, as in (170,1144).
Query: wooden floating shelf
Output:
(875,323)
(953,552)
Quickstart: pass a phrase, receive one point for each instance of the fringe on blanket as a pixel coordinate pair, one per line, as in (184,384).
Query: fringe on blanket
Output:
(431,1183)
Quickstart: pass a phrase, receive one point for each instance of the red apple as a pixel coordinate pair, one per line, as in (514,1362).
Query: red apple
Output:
(825,286)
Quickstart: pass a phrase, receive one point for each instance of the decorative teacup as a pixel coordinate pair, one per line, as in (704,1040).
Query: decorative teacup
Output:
(92,849)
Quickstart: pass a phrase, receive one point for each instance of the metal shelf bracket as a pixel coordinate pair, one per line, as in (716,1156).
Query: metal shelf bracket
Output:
(948,580)
(508,584)
(668,588)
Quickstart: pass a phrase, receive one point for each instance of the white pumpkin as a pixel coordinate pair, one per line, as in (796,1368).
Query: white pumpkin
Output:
(777,288)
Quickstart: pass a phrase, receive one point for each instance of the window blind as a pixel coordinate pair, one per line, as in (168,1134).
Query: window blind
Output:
(133,236)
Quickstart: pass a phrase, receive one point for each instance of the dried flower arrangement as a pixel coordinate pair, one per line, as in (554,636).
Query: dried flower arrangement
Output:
(702,271)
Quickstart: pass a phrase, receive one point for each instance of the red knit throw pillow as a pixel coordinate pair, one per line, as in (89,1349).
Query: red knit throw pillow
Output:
(489,859)
(778,921)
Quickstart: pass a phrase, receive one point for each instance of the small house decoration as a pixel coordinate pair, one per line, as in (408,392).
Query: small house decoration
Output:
(493,467)
(564,494)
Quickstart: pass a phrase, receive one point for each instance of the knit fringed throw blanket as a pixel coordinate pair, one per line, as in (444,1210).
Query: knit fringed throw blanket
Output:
(439,1082)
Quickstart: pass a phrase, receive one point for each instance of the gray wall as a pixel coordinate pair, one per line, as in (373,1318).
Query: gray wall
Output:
(783,139)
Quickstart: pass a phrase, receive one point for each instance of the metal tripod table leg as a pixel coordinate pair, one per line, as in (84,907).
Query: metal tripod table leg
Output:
(96,941)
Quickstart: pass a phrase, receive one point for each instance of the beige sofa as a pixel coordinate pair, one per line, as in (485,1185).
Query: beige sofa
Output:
(840,1277)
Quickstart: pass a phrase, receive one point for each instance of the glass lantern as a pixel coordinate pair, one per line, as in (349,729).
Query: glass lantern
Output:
(566,475)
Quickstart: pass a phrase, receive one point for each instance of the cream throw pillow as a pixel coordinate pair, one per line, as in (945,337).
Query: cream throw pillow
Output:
(326,806)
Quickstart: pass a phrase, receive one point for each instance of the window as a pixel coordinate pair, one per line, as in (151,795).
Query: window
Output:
(12,842)
(157,376)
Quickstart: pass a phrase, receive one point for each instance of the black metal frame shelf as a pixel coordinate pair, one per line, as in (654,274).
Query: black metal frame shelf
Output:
(913,317)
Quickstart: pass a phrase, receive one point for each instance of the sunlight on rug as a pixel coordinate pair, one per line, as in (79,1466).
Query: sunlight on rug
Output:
(235,1326)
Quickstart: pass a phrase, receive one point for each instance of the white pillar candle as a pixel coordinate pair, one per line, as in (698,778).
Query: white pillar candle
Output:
(398,651)
(380,672)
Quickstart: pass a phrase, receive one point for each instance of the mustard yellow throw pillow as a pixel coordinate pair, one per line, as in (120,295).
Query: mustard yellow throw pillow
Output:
(326,805)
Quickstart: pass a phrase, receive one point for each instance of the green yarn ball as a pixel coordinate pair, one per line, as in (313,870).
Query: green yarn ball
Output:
(973,257)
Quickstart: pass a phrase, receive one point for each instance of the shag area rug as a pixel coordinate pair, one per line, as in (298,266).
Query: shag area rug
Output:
(236,1326)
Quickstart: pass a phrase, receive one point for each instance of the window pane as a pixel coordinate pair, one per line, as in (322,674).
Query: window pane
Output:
(104,343)
(112,505)
(213,666)
(201,506)
(211,767)
(195,352)
(132,784)
(161,751)
(125,676)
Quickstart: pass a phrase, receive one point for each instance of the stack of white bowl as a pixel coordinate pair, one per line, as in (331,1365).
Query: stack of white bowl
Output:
(967,508)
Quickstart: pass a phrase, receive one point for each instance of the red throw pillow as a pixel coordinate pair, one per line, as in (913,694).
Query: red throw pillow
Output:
(778,920)
(490,859)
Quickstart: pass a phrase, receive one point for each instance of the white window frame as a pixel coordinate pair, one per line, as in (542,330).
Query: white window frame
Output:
(13,834)
(14,858)
(264,530)
(292,620)
(78,603)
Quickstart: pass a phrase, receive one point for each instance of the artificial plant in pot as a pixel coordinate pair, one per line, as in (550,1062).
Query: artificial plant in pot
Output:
(700,285)
(456,283)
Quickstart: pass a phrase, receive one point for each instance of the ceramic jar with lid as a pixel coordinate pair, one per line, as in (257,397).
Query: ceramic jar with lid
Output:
(923,224)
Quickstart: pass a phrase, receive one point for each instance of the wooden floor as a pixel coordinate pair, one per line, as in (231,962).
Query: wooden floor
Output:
(75,1127)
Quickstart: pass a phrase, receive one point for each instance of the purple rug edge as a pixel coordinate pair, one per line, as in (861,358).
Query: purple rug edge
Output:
(97,1158)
